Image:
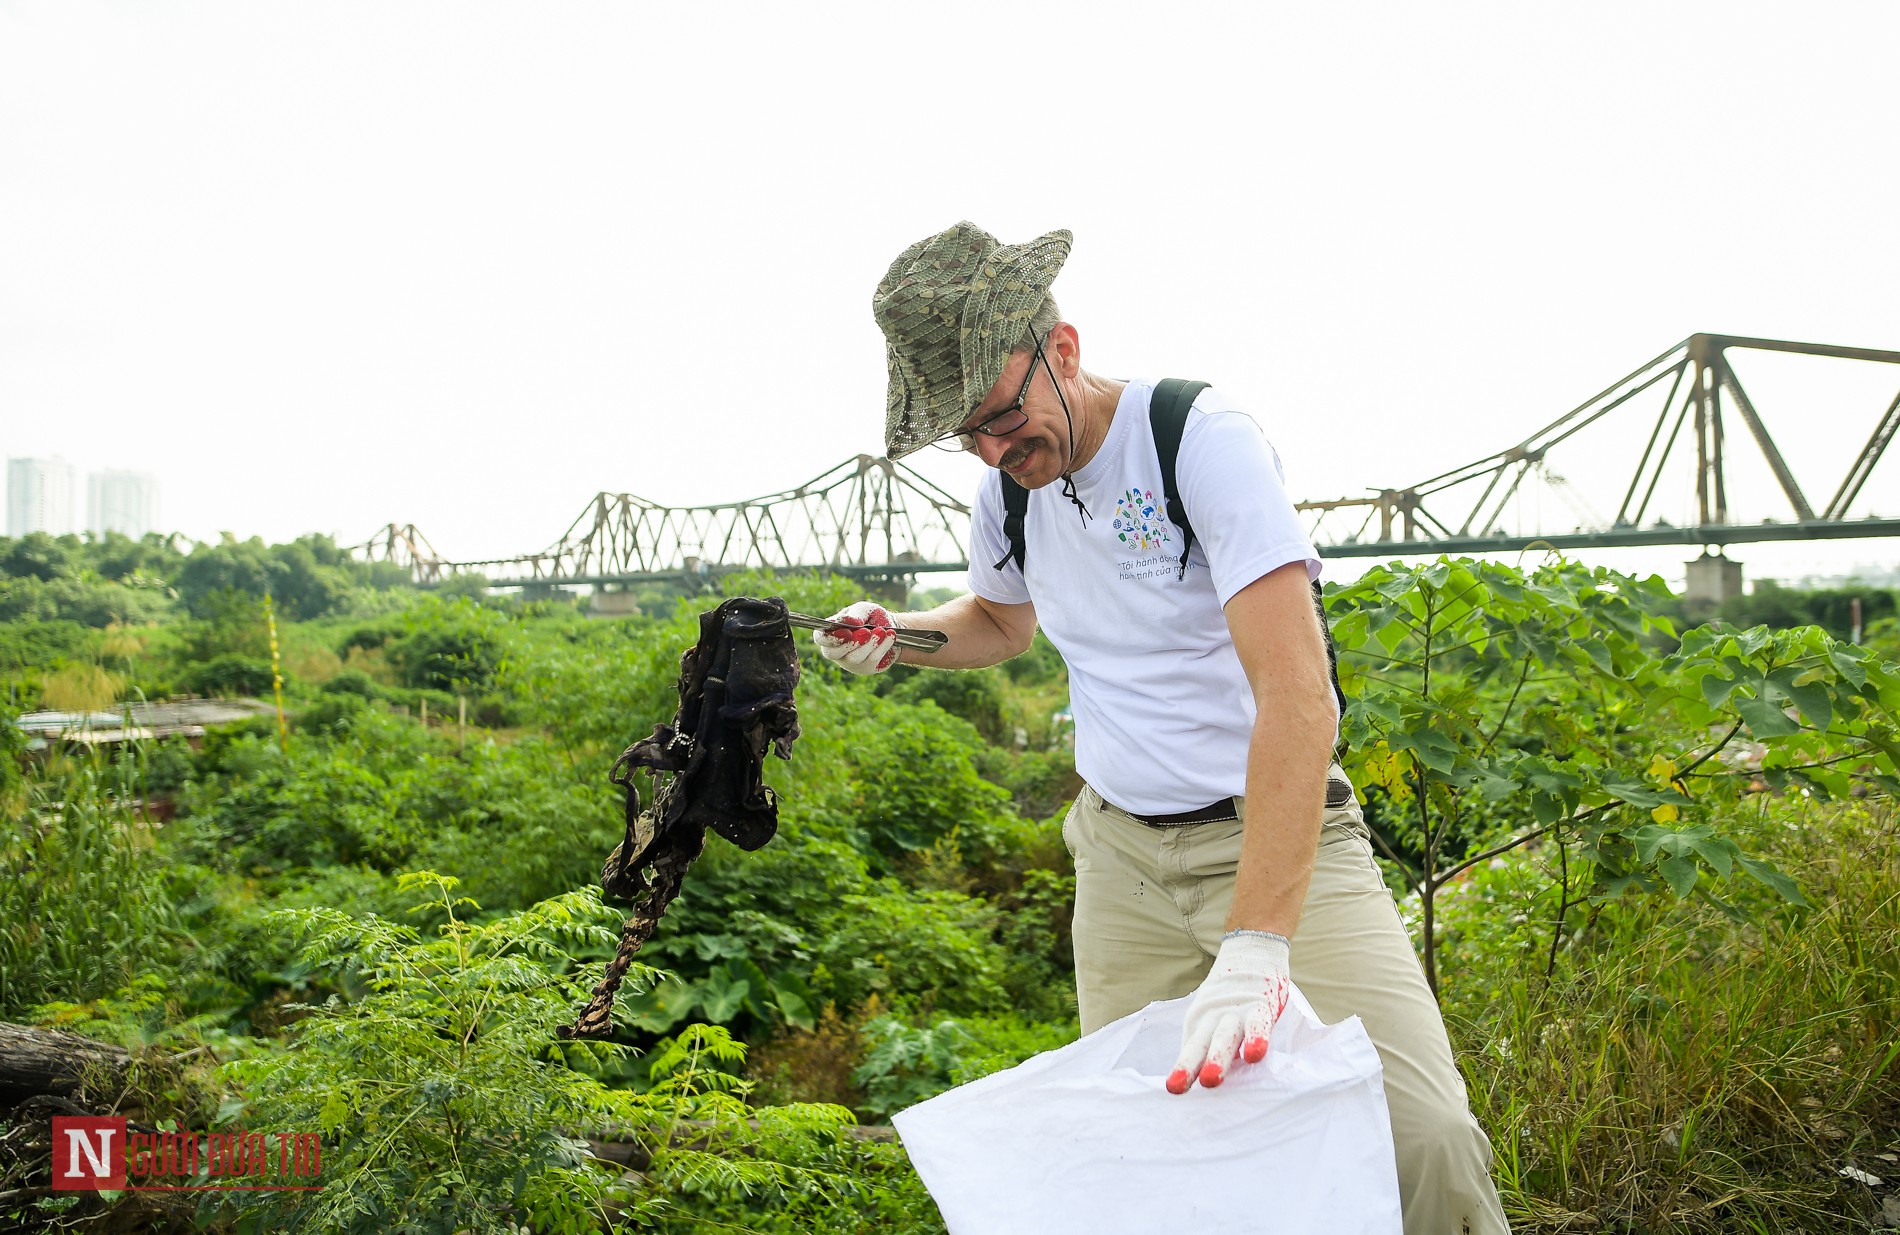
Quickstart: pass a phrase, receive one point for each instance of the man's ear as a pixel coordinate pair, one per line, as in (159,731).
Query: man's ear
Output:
(1064,350)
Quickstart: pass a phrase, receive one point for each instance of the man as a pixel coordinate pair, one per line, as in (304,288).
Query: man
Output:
(1201,690)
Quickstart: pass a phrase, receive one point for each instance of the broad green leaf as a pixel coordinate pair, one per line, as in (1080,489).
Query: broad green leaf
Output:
(1850,663)
(1771,875)
(1648,839)
(1495,788)
(1680,872)
(1718,853)
(1814,701)
(1765,720)
(721,996)
(661,1008)
(1432,749)
(1716,689)
(1614,886)
(1639,793)
(793,1007)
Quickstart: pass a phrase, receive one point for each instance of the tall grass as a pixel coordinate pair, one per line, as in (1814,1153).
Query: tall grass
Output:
(82,909)
(1681,1070)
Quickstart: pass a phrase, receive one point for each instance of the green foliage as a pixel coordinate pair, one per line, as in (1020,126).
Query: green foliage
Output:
(229,675)
(1768,603)
(38,555)
(386,793)
(454,645)
(85,600)
(781,1169)
(83,908)
(226,623)
(12,752)
(1493,705)
(445,1104)
(442,1105)
(1679,1070)
(1538,748)
(307,578)
(354,682)
(33,644)
(973,696)
(908,783)
(904,1064)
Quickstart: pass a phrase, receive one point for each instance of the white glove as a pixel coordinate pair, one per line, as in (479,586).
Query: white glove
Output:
(861,640)
(1234,1010)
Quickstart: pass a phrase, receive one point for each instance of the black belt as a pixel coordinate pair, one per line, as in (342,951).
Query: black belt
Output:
(1213,812)
(1338,794)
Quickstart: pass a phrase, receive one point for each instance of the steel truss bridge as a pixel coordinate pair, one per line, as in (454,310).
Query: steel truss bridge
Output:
(877,520)
(1482,506)
(868,517)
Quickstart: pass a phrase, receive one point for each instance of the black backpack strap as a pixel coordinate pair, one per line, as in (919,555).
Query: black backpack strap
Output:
(1332,649)
(1015,506)
(1167,416)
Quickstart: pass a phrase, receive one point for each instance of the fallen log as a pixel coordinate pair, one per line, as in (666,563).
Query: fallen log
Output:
(45,1061)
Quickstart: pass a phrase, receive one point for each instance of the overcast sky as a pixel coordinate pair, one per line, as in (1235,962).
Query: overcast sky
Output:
(324,266)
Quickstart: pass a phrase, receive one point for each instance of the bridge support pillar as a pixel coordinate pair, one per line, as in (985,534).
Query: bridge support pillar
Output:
(1712,579)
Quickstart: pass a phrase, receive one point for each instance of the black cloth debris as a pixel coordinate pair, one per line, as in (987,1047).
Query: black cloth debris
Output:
(735,692)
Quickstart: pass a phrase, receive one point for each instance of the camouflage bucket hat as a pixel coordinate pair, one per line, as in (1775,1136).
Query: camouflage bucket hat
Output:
(952,308)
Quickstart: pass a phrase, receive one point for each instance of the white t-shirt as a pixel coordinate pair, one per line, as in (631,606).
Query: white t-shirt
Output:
(1163,712)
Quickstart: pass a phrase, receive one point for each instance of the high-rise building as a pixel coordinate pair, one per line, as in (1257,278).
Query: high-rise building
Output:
(39,496)
(121,501)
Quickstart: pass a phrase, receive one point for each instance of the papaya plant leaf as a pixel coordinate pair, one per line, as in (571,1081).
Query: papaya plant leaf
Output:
(1767,872)
(1680,872)
(1716,689)
(1765,720)
(1814,701)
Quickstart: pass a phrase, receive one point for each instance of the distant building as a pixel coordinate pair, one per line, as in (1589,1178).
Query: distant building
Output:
(39,496)
(120,501)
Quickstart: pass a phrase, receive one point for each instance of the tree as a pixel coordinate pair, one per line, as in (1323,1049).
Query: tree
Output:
(37,555)
(1488,708)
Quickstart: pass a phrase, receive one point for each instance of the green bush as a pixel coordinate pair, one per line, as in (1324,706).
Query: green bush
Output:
(83,908)
(905,1064)
(354,682)
(1665,1066)
(435,1093)
(972,695)
(229,675)
(453,646)
(445,1104)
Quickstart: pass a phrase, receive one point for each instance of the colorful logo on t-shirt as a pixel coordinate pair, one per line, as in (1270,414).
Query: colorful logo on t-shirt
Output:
(1139,523)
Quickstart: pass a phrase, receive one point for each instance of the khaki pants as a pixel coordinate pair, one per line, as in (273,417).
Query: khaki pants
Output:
(1150,907)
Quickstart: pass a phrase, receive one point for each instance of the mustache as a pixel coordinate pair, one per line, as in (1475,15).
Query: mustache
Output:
(1015,456)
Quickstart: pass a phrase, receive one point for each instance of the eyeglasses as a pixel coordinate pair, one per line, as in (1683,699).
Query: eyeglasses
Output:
(1003,423)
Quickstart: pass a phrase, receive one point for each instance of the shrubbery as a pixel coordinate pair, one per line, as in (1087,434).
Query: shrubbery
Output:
(907,930)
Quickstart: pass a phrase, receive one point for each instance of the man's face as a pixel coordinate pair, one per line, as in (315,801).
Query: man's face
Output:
(1035,453)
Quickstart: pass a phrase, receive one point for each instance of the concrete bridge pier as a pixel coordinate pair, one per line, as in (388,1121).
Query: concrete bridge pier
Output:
(1712,579)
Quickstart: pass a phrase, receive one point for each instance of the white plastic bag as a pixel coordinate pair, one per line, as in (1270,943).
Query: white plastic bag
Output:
(1086,1139)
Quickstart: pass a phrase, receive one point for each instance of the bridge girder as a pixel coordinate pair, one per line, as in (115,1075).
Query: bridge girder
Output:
(1701,378)
(868,516)
(878,520)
